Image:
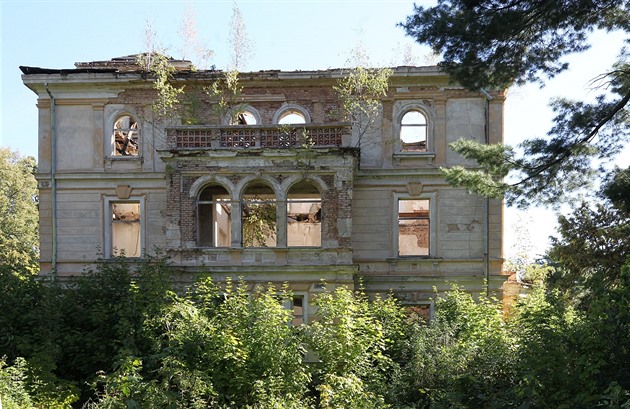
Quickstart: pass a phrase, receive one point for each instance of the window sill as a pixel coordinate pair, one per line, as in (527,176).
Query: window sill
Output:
(429,157)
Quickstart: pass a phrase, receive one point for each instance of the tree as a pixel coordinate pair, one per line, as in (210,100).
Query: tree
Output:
(497,43)
(593,242)
(19,238)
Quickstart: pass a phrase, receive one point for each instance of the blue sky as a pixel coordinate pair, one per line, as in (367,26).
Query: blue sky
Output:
(286,35)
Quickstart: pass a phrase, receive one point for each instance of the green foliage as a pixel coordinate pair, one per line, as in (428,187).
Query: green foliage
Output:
(616,188)
(360,92)
(495,43)
(259,223)
(592,247)
(226,90)
(119,337)
(167,100)
(463,358)
(351,339)
(19,239)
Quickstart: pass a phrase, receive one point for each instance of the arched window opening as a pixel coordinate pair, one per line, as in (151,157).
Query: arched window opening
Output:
(413,132)
(215,217)
(258,218)
(291,117)
(244,117)
(304,216)
(125,137)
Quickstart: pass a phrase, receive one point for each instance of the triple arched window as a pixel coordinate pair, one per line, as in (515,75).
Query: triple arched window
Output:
(268,218)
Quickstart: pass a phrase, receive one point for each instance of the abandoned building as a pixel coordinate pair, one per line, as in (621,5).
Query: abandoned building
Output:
(268,181)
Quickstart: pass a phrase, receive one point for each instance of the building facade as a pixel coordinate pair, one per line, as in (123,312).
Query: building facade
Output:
(267,181)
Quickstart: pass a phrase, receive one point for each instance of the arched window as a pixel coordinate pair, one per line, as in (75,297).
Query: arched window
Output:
(125,138)
(258,218)
(291,114)
(304,216)
(214,211)
(292,117)
(243,115)
(413,131)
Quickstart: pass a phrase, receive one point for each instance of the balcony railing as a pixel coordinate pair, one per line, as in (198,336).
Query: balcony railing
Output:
(258,136)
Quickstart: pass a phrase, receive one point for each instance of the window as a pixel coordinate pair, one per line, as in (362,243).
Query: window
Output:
(413,227)
(125,137)
(298,304)
(413,131)
(292,117)
(304,216)
(243,115)
(125,229)
(258,218)
(291,114)
(214,212)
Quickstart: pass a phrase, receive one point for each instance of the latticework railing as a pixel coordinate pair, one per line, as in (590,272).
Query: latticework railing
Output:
(253,136)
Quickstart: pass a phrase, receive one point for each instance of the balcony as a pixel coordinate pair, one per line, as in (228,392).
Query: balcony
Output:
(259,136)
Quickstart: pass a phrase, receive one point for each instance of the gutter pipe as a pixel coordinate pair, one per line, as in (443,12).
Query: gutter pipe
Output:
(53,177)
(486,244)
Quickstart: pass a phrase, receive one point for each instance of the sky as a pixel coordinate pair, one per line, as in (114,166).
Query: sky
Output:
(285,35)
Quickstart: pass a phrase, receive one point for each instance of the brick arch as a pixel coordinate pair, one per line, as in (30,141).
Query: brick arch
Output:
(199,184)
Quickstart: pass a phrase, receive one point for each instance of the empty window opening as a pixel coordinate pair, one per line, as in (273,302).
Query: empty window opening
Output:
(125,137)
(292,117)
(419,312)
(413,227)
(243,118)
(297,304)
(413,132)
(304,216)
(214,217)
(258,219)
(126,229)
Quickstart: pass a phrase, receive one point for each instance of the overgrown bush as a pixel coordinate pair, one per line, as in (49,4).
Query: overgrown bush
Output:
(120,337)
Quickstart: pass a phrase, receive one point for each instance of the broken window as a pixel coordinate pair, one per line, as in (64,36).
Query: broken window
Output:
(125,229)
(292,116)
(258,219)
(244,117)
(413,132)
(297,304)
(304,216)
(126,136)
(413,227)
(214,211)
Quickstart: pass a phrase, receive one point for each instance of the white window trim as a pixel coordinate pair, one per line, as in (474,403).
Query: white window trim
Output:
(291,107)
(433,221)
(113,114)
(399,112)
(240,108)
(304,295)
(107,224)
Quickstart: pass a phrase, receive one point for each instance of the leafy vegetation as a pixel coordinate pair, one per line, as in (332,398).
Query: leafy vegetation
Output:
(123,335)
(496,43)
(19,238)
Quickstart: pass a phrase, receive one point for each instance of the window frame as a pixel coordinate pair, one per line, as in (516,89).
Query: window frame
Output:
(108,235)
(227,119)
(287,110)
(112,114)
(433,221)
(402,109)
(288,201)
(275,201)
(213,203)
(290,305)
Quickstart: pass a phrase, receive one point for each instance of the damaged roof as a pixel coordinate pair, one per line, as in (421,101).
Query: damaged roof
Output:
(185,68)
